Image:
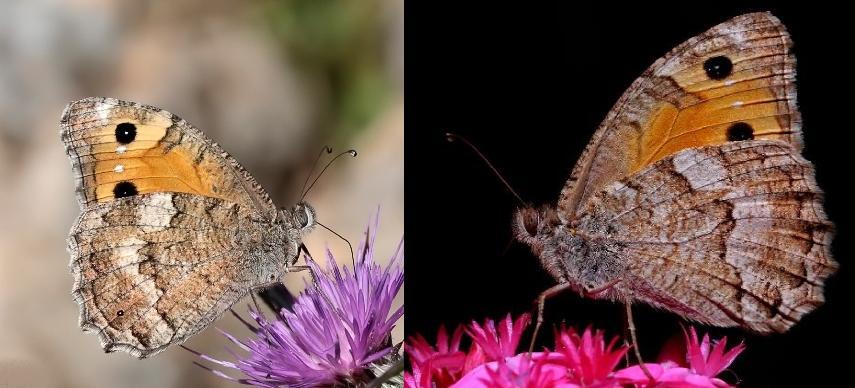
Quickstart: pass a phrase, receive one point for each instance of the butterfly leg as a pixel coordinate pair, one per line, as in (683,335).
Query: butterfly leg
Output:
(296,268)
(541,301)
(631,325)
(255,302)
(303,249)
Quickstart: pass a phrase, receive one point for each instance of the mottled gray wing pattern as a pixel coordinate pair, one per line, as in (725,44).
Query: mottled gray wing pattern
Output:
(153,269)
(731,235)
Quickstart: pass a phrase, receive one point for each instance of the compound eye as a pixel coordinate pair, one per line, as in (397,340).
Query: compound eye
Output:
(530,225)
(302,217)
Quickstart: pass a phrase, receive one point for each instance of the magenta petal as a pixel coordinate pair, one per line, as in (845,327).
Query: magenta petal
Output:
(635,375)
(474,357)
(705,362)
(452,361)
(667,375)
(589,360)
(441,340)
(719,359)
(336,328)
(502,342)
(547,371)
(455,339)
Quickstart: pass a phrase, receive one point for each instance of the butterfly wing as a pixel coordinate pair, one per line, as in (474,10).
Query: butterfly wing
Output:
(733,82)
(170,225)
(153,269)
(119,148)
(731,235)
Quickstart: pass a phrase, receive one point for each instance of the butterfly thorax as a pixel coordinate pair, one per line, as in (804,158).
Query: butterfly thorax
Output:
(276,244)
(272,250)
(578,252)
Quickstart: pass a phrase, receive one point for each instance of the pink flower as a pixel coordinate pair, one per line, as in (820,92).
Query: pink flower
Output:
(501,343)
(579,361)
(419,377)
(589,361)
(527,370)
(701,361)
(420,351)
(442,364)
(585,360)
(446,363)
(666,375)
(697,369)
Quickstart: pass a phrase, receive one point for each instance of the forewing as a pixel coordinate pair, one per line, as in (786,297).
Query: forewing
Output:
(732,235)
(152,270)
(120,148)
(733,82)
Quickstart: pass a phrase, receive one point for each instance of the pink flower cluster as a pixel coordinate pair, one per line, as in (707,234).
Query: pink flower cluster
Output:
(585,360)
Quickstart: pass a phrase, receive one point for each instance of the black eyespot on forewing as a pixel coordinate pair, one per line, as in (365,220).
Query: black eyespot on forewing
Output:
(740,131)
(124,189)
(718,67)
(126,133)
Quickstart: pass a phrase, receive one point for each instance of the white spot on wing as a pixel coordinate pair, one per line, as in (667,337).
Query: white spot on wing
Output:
(103,110)
(158,212)
(119,168)
(700,169)
(121,149)
(126,253)
(737,104)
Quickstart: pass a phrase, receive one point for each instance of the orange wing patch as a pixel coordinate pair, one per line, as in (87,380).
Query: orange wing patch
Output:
(752,114)
(150,162)
(121,149)
(735,93)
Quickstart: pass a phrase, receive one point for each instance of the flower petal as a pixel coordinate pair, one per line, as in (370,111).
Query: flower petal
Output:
(336,328)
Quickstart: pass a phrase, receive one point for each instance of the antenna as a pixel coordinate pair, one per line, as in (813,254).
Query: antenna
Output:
(352,153)
(352,257)
(328,150)
(451,137)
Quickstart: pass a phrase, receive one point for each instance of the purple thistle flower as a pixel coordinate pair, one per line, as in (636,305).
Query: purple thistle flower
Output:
(336,333)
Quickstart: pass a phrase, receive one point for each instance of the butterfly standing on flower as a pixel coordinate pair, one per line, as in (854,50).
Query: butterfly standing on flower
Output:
(173,231)
(693,195)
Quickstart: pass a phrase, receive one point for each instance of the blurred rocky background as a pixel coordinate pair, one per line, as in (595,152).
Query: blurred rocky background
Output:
(271,81)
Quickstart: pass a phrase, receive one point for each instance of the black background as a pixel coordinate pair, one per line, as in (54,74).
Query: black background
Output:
(529,84)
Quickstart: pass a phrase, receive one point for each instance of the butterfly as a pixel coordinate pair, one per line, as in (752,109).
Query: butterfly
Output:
(693,195)
(173,231)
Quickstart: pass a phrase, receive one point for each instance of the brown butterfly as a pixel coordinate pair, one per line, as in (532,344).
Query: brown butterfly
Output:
(173,231)
(693,195)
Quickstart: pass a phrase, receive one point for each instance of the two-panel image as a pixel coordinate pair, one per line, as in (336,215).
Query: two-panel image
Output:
(218,194)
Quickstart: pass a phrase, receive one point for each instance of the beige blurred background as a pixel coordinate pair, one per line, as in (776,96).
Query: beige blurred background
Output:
(271,81)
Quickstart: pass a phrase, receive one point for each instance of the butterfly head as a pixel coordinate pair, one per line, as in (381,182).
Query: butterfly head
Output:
(302,217)
(532,224)
(296,223)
